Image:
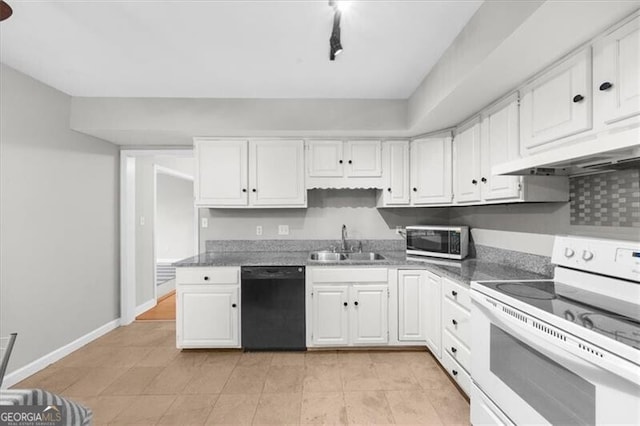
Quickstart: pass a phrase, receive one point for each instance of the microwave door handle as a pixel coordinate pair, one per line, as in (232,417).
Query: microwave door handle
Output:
(568,356)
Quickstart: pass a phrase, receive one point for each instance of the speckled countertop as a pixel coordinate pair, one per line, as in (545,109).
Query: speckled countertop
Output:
(464,271)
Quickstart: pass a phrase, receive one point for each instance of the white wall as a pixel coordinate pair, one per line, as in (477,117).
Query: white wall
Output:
(59,210)
(174,218)
(328,210)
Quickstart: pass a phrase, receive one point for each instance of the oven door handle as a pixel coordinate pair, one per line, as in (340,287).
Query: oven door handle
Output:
(566,353)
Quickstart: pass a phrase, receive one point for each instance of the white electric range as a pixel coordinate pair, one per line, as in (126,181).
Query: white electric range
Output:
(562,351)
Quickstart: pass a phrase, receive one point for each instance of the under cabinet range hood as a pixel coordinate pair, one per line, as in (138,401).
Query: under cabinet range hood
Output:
(600,153)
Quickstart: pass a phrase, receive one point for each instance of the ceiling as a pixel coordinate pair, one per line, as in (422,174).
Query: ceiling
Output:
(230,49)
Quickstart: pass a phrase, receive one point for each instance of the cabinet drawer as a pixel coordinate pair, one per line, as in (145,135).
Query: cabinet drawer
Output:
(458,350)
(349,275)
(223,275)
(456,372)
(457,293)
(457,321)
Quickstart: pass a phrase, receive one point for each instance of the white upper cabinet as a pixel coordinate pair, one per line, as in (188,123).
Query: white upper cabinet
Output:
(616,74)
(325,159)
(363,158)
(499,143)
(340,164)
(256,173)
(395,156)
(431,171)
(276,173)
(557,104)
(221,173)
(467,163)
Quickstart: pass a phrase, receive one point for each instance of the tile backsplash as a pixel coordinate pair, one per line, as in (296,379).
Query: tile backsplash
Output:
(606,199)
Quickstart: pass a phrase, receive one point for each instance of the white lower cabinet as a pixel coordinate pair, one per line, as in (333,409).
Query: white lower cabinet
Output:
(456,332)
(433,328)
(412,306)
(347,307)
(208,307)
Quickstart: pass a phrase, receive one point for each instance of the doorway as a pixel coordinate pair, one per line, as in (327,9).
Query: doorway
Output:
(158,228)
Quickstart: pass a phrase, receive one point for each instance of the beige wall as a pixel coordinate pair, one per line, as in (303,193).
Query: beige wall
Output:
(59,215)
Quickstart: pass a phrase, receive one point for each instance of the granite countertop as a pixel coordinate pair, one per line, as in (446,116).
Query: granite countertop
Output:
(461,271)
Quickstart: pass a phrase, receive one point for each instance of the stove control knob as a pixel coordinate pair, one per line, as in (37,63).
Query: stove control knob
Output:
(587,255)
(586,321)
(569,252)
(568,315)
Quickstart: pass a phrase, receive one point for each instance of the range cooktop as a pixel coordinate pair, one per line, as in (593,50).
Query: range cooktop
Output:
(595,312)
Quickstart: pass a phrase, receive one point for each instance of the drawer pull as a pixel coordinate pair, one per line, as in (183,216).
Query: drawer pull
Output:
(454,372)
(206,278)
(233,305)
(454,322)
(355,303)
(454,293)
(345,304)
(454,350)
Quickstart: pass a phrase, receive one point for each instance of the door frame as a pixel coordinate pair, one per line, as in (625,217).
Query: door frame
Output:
(128,224)
(174,173)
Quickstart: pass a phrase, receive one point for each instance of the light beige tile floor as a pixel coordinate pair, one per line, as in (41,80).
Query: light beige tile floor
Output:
(135,375)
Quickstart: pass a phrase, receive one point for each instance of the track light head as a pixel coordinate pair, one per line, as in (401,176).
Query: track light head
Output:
(335,45)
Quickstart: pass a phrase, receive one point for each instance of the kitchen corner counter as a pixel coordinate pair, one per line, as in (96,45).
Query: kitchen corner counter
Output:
(461,271)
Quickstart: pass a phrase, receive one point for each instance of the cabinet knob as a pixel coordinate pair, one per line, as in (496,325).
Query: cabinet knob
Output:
(233,305)
(355,303)
(340,161)
(475,182)
(415,189)
(454,350)
(350,162)
(244,189)
(206,278)
(484,180)
(605,86)
(454,322)
(578,98)
(454,293)
(389,189)
(454,372)
(345,304)
(254,190)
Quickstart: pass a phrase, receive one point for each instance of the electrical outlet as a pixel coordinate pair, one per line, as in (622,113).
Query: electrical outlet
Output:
(142,221)
(204,222)
(259,230)
(283,229)
(399,230)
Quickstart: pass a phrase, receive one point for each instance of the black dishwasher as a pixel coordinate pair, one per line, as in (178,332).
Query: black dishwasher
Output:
(273,312)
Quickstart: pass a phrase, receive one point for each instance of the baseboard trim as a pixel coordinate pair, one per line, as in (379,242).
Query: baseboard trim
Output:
(146,306)
(44,361)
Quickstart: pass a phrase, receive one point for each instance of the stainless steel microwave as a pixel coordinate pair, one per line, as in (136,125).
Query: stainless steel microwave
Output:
(449,242)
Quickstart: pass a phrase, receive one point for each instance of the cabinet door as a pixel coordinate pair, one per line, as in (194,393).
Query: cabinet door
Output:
(325,158)
(363,158)
(433,327)
(617,74)
(207,316)
(276,173)
(330,315)
(557,104)
(411,306)
(369,305)
(396,170)
(467,164)
(500,143)
(221,177)
(431,171)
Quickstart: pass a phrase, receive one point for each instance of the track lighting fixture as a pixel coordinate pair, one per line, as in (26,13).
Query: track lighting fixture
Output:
(5,10)
(335,45)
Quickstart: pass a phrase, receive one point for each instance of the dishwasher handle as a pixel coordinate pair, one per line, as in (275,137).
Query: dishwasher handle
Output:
(272,272)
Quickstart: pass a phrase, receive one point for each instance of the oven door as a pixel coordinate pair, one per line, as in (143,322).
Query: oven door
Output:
(428,241)
(535,381)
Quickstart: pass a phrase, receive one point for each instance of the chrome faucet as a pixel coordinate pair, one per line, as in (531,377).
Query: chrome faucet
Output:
(343,247)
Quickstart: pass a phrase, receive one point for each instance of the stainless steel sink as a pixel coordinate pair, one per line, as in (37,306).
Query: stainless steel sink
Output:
(365,256)
(330,256)
(327,256)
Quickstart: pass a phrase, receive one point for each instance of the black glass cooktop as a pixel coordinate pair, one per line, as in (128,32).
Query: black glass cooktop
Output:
(610,317)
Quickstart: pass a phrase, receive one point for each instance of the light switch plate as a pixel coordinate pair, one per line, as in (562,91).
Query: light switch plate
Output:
(283,229)
(205,222)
